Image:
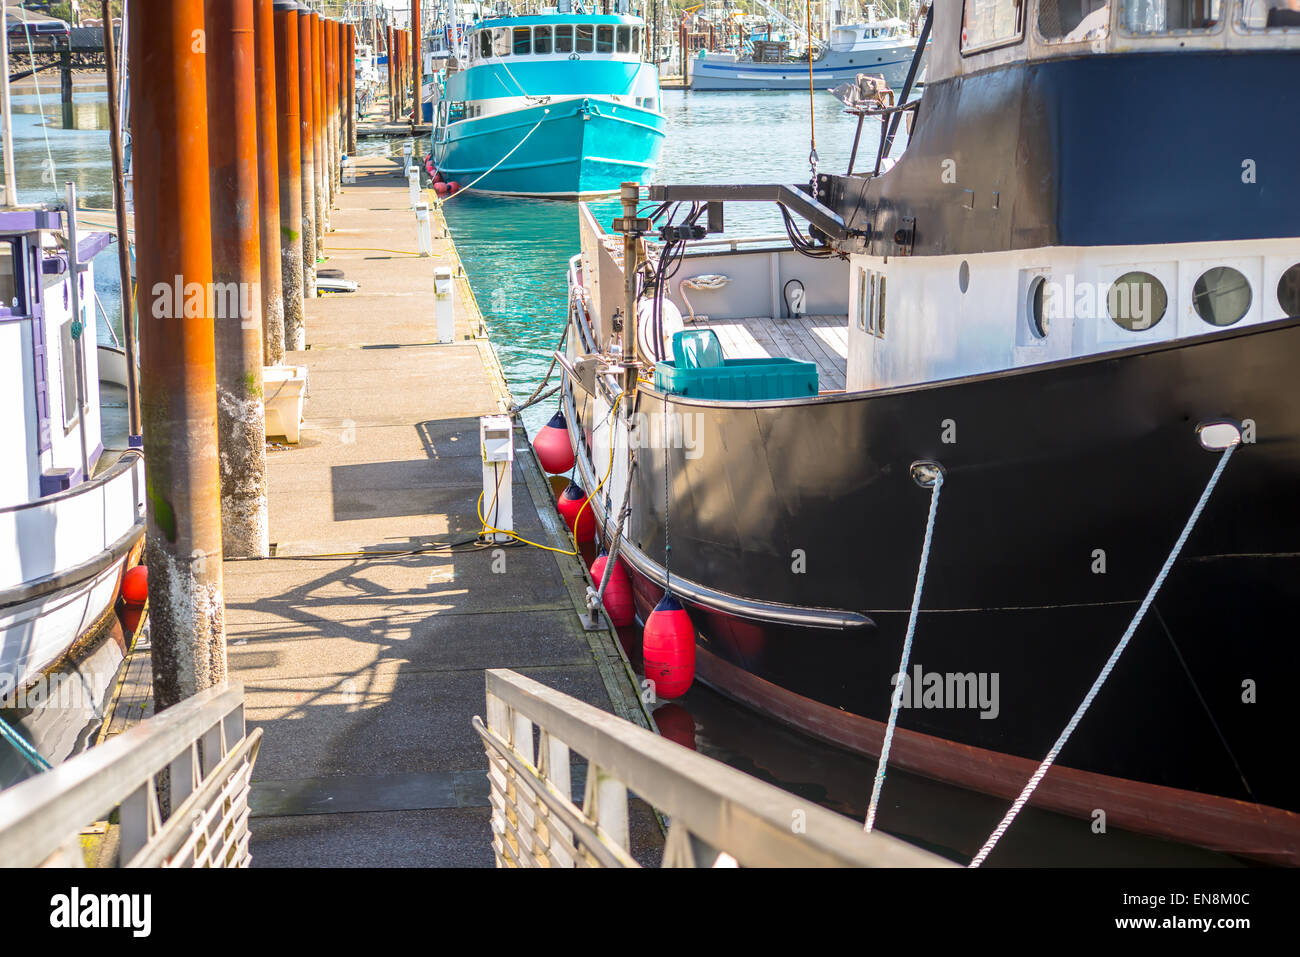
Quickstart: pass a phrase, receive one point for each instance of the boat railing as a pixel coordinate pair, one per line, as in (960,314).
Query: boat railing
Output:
(718,816)
(179,782)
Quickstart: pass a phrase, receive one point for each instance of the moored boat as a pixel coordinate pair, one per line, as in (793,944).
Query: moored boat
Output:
(1054,331)
(550,104)
(877,47)
(72,492)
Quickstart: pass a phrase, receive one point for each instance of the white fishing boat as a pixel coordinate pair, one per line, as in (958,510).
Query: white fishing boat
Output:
(72,490)
(875,47)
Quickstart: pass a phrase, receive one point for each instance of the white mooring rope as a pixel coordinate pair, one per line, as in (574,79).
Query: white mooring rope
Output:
(897,700)
(443,200)
(1043,768)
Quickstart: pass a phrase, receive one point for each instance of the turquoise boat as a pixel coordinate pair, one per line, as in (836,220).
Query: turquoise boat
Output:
(550,104)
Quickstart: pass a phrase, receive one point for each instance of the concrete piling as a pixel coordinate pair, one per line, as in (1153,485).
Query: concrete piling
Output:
(268,184)
(178,375)
(307,152)
(236,294)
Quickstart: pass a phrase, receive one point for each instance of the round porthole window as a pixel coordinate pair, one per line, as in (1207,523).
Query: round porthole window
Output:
(1288,291)
(963,276)
(1221,296)
(1137,301)
(1035,308)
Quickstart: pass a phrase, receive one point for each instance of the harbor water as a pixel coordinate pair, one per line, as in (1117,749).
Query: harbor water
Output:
(515,252)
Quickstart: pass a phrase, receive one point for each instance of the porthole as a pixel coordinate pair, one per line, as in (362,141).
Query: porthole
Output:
(1137,301)
(1035,309)
(1288,291)
(1221,296)
(963,276)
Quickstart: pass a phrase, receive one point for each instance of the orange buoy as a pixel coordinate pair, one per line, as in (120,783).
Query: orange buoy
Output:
(676,724)
(618,595)
(135,586)
(552,445)
(571,506)
(668,648)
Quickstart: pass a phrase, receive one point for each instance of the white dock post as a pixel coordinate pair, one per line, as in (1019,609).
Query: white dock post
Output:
(413,178)
(445,296)
(423,231)
(496,439)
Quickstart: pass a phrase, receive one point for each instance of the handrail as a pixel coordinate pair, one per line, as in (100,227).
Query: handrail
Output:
(42,816)
(717,814)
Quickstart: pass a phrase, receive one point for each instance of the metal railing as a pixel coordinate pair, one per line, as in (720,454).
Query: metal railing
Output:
(718,816)
(195,758)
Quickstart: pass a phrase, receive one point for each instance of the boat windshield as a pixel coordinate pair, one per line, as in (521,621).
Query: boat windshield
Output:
(1148,17)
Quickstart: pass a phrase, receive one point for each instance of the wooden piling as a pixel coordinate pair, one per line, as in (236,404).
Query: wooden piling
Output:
(178,378)
(134,428)
(268,184)
(236,294)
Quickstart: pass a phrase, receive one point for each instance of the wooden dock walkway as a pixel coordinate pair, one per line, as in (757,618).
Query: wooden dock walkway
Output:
(364,670)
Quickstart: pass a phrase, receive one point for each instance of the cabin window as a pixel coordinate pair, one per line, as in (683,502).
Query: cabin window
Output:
(636,39)
(523,41)
(485,43)
(1169,16)
(585,38)
(624,40)
(1137,301)
(1268,15)
(68,359)
(862,299)
(1288,291)
(1072,21)
(11,302)
(564,38)
(880,306)
(991,23)
(500,41)
(541,40)
(1221,296)
(604,39)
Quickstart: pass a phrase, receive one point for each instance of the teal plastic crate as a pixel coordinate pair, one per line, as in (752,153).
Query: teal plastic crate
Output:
(699,371)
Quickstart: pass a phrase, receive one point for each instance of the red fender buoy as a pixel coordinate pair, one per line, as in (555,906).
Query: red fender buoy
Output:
(454,187)
(618,596)
(676,724)
(135,586)
(571,507)
(668,648)
(435,174)
(440,188)
(552,445)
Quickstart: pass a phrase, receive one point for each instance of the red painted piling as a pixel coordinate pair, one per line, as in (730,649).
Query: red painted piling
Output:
(236,275)
(307,149)
(289,137)
(416,60)
(169,128)
(318,131)
(268,184)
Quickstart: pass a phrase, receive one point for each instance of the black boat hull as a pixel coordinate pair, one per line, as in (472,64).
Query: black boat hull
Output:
(1066,487)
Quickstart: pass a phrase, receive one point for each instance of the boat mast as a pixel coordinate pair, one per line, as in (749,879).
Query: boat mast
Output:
(11,184)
